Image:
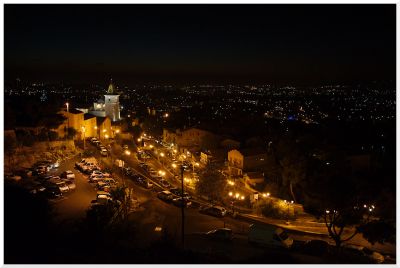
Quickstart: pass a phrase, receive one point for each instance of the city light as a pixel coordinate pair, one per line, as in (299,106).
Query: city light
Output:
(106,136)
(117,131)
(162,154)
(174,165)
(139,139)
(104,130)
(127,152)
(230,194)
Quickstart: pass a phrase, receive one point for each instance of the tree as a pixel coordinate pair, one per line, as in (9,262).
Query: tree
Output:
(292,163)
(53,135)
(72,132)
(25,138)
(331,193)
(211,183)
(10,144)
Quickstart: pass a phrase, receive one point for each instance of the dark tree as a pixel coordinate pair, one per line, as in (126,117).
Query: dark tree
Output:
(211,183)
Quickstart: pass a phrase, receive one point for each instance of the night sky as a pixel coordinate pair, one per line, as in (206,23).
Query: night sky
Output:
(216,43)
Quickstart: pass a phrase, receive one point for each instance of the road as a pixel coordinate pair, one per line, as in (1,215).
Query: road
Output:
(155,213)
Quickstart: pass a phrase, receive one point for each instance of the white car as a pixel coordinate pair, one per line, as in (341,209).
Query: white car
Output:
(97,173)
(97,178)
(68,174)
(71,185)
(104,152)
(62,186)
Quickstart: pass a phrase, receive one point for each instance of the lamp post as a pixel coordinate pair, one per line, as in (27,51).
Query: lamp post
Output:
(84,138)
(162,157)
(288,209)
(183,209)
(104,133)
(66,135)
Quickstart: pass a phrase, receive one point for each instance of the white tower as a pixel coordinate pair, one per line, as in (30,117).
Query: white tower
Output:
(112,104)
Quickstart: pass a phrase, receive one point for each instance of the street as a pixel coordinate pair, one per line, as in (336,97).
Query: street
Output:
(156,213)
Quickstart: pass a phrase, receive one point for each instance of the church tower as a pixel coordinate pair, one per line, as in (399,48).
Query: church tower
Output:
(111,103)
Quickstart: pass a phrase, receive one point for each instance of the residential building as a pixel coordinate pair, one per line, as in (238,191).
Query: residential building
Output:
(250,159)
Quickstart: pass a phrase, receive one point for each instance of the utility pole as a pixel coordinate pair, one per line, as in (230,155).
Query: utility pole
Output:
(183,210)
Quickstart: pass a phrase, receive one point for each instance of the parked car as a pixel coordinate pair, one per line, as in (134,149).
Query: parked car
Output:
(97,173)
(52,192)
(178,193)
(97,178)
(110,181)
(104,152)
(41,169)
(62,186)
(360,254)
(102,186)
(223,234)
(68,174)
(178,202)
(315,247)
(165,184)
(165,196)
(216,211)
(269,235)
(71,184)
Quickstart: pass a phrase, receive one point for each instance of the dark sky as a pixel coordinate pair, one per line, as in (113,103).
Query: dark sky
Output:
(256,43)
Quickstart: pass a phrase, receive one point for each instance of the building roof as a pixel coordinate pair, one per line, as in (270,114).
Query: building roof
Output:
(111,89)
(252,151)
(75,111)
(100,120)
(88,116)
(255,175)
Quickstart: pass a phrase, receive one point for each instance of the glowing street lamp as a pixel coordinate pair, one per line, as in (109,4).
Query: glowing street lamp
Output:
(66,134)
(84,140)
(127,152)
(230,194)
(174,165)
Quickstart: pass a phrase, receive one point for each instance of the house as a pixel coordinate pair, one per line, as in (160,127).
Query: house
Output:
(104,127)
(230,144)
(253,178)
(191,137)
(250,159)
(90,125)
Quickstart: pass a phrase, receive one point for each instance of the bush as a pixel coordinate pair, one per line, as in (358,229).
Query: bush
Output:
(271,208)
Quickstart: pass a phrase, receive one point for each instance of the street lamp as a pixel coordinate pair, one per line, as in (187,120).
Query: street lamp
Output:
(127,152)
(162,156)
(183,208)
(288,208)
(84,139)
(195,164)
(67,104)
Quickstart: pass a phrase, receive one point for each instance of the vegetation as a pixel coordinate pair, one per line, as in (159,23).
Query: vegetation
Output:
(211,183)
